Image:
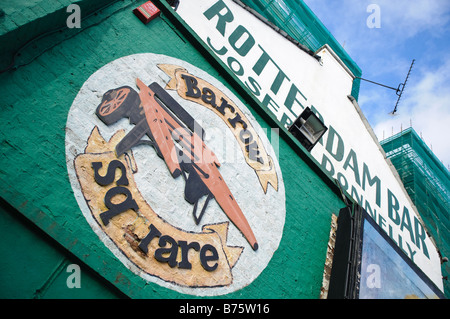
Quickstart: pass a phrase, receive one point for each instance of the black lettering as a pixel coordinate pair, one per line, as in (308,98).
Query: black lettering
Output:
(209,97)
(237,119)
(154,232)
(253,152)
(246,136)
(169,255)
(172,251)
(184,246)
(224,105)
(204,258)
(191,85)
(116,209)
(110,174)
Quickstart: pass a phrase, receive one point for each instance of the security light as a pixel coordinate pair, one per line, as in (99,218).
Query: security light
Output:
(308,129)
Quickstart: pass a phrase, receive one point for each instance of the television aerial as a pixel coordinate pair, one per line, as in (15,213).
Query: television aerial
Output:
(399,90)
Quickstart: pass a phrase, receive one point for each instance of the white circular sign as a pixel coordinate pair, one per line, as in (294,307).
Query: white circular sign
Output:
(202,226)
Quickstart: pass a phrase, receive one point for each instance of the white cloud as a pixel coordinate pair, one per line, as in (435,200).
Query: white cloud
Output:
(404,17)
(401,20)
(407,18)
(409,29)
(427,106)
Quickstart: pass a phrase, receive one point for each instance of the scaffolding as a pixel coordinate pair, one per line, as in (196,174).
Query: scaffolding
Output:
(427,182)
(296,19)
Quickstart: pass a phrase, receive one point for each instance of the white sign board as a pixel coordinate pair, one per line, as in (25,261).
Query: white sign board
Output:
(286,80)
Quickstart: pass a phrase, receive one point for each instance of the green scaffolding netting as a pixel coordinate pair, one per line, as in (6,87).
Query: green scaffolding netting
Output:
(296,19)
(427,182)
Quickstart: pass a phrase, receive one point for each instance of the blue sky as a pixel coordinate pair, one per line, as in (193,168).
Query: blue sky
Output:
(419,30)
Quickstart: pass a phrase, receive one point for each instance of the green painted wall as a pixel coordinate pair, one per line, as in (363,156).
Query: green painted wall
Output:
(34,265)
(23,20)
(33,177)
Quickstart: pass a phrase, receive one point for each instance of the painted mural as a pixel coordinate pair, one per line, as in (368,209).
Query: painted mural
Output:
(175,175)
